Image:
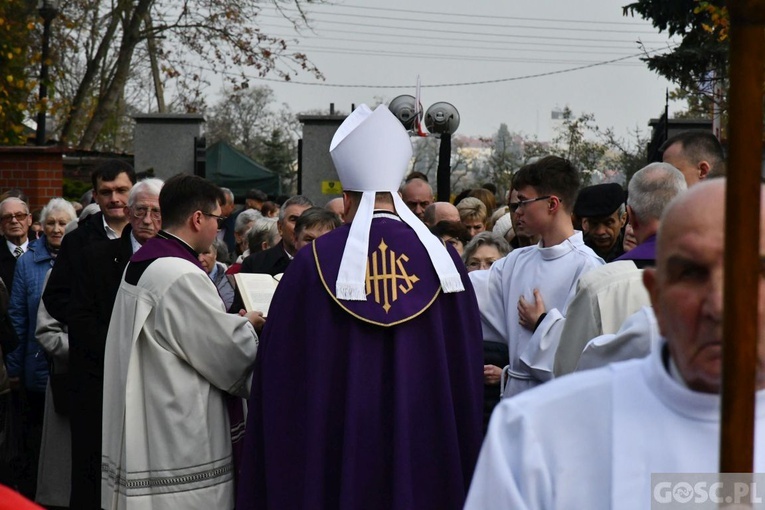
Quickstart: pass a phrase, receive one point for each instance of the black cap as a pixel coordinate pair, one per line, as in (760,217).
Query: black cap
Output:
(599,200)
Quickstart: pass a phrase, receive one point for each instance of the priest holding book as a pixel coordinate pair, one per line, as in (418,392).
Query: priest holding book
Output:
(374,402)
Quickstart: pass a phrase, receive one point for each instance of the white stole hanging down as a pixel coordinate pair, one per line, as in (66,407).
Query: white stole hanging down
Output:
(352,274)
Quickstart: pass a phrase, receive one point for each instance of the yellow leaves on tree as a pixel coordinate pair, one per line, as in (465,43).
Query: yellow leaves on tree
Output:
(15,40)
(719,19)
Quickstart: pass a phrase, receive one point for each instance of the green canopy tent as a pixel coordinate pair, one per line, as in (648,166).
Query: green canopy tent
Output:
(232,169)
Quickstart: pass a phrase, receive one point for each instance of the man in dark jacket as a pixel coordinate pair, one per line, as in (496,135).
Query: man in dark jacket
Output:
(604,215)
(112,181)
(275,260)
(89,314)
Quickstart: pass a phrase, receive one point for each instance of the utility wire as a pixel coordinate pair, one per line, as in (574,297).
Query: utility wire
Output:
(443,56)
(472,24)
(397,37)
(481,16)
(451,32)
(440,85)
(504,47)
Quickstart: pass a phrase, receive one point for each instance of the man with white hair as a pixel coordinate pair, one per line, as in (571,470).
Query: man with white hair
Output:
(609,294)
(376,401)
(15,221)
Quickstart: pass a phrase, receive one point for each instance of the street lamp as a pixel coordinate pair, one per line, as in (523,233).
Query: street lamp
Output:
(441,119)
(48,10)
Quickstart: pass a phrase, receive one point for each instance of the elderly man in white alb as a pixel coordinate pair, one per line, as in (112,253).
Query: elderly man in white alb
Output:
(172,353)
(592,440)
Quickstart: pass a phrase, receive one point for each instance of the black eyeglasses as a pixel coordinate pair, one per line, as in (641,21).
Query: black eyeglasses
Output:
(515,205)
(220,219)
(19,216)
(141,212)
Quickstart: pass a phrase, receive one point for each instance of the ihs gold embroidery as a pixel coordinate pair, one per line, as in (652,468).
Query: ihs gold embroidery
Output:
(386,276)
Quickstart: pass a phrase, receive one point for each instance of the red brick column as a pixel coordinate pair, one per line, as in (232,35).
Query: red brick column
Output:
(37,171)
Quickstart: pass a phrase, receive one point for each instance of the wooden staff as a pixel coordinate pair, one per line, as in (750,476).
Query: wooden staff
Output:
(742,234)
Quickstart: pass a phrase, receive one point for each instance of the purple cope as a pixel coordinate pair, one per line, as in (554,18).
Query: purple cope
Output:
(372,404)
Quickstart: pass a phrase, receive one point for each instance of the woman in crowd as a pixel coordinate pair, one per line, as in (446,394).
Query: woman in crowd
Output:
(29,362)
(473,215)
(487,197)
(483,250)
(217,272)
(452,232)
(269,210)
(480,253)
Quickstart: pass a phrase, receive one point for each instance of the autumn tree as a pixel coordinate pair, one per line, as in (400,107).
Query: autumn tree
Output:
(279,154)
(699,62)
(241,118)
(107,48)
(16,59)
(248,120)
(506,157)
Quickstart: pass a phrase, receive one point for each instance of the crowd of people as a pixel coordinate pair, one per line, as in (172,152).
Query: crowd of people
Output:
(547,347)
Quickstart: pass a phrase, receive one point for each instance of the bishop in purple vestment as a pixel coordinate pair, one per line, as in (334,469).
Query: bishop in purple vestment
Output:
(370,401)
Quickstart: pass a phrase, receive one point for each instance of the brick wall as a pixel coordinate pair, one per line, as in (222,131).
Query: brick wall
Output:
(37,171)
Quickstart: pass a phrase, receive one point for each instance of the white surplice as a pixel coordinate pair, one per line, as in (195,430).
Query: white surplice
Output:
(605,297)
(171,354)
(592,439)
(637,337)
(554,271)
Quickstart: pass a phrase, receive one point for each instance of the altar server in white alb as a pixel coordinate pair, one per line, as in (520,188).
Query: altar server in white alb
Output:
(591,440)
(172,353)
(547,190)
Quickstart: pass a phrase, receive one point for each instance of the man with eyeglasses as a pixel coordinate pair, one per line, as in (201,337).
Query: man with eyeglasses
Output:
(89,315)
(549,270)
(112,181)
(15,221)
(172,354)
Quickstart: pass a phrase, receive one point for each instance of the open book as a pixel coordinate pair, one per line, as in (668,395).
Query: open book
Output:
(257,290)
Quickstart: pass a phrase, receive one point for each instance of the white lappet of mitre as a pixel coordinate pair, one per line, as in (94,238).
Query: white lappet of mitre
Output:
(371,152)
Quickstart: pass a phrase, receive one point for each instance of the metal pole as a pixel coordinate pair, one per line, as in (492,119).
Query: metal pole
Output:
(47,13)
(444,168)
(742,234)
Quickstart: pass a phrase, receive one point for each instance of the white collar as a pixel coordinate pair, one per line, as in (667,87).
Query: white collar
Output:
(12,247)
(134,242)
(110,232)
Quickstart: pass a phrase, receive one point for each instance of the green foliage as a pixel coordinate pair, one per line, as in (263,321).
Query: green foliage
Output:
(247,120)
(702,56)
(573,143)
(278,153)
(16,25)
(505,158)
(74,189)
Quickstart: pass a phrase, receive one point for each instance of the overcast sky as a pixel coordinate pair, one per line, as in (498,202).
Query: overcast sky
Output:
(372,48)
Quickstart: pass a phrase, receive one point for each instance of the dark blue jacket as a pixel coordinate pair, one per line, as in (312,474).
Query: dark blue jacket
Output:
(28,360)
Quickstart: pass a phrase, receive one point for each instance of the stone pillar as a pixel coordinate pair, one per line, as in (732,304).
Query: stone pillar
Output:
(318,179)
(165,142)
(37,171)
